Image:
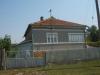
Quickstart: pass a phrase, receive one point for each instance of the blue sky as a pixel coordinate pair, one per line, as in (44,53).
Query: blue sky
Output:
(15,15)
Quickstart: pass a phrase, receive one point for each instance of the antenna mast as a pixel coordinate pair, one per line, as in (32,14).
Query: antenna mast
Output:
(50,12)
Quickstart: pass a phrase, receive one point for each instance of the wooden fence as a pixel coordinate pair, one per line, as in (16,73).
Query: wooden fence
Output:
(56,57)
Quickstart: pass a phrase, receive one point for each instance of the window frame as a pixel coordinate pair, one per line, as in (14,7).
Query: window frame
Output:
(76,37)
(52,37)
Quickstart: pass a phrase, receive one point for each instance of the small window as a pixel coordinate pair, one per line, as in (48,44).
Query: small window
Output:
(52,38)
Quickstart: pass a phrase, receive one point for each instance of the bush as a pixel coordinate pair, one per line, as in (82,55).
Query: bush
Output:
(94,44)
(98,43)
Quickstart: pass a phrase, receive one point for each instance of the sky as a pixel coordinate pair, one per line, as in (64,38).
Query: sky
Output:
(15,15)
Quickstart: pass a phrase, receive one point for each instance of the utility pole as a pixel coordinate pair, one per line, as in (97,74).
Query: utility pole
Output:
(98,14)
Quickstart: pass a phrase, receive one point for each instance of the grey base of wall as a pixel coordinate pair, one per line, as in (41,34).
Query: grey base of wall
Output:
(72,55)
(56,57)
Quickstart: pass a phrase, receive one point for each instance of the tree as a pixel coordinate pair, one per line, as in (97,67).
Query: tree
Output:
(93,36)
(5,43)
(93,33)
(98,33)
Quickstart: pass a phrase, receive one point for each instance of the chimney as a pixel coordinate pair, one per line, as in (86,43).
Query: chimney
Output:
(41,18)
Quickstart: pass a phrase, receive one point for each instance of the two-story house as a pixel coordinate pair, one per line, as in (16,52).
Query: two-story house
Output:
(53,34)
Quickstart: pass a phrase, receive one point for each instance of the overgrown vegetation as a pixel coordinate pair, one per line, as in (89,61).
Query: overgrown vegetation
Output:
(12,53)
(94,44)
(93,38)
(5,43)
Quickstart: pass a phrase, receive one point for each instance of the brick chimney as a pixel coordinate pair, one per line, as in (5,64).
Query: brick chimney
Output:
(41,18)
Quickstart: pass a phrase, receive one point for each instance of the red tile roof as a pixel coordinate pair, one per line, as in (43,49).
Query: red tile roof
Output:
(53,21)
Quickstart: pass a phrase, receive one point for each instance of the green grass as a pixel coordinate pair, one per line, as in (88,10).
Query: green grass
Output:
(80,68)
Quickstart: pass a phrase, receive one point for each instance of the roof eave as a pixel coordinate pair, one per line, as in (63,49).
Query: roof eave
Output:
(29,26)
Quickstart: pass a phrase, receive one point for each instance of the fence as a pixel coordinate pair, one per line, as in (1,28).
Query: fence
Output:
(72,55)
(57,57)
(2,59)
(1,56)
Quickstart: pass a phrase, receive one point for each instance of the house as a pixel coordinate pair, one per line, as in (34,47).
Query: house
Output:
(53,34)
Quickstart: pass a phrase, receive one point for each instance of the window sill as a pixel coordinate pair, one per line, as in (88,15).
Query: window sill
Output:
(59,43)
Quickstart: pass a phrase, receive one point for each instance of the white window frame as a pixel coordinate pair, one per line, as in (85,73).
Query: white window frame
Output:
(52,38)
(73,38)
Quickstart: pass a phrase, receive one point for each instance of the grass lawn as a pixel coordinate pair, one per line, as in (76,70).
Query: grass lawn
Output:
(80,68)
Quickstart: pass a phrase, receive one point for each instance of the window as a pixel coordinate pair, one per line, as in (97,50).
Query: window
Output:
(52,37)
(76,37)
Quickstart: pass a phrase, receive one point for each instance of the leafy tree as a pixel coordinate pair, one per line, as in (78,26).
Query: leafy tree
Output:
(5,43)
(93,36)
(98,33)
(1,43)
(93,33)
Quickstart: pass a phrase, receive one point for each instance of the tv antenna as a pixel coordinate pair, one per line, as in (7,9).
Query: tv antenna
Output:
(50,11)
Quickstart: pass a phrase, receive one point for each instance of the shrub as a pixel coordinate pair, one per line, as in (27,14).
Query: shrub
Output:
(94,44)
